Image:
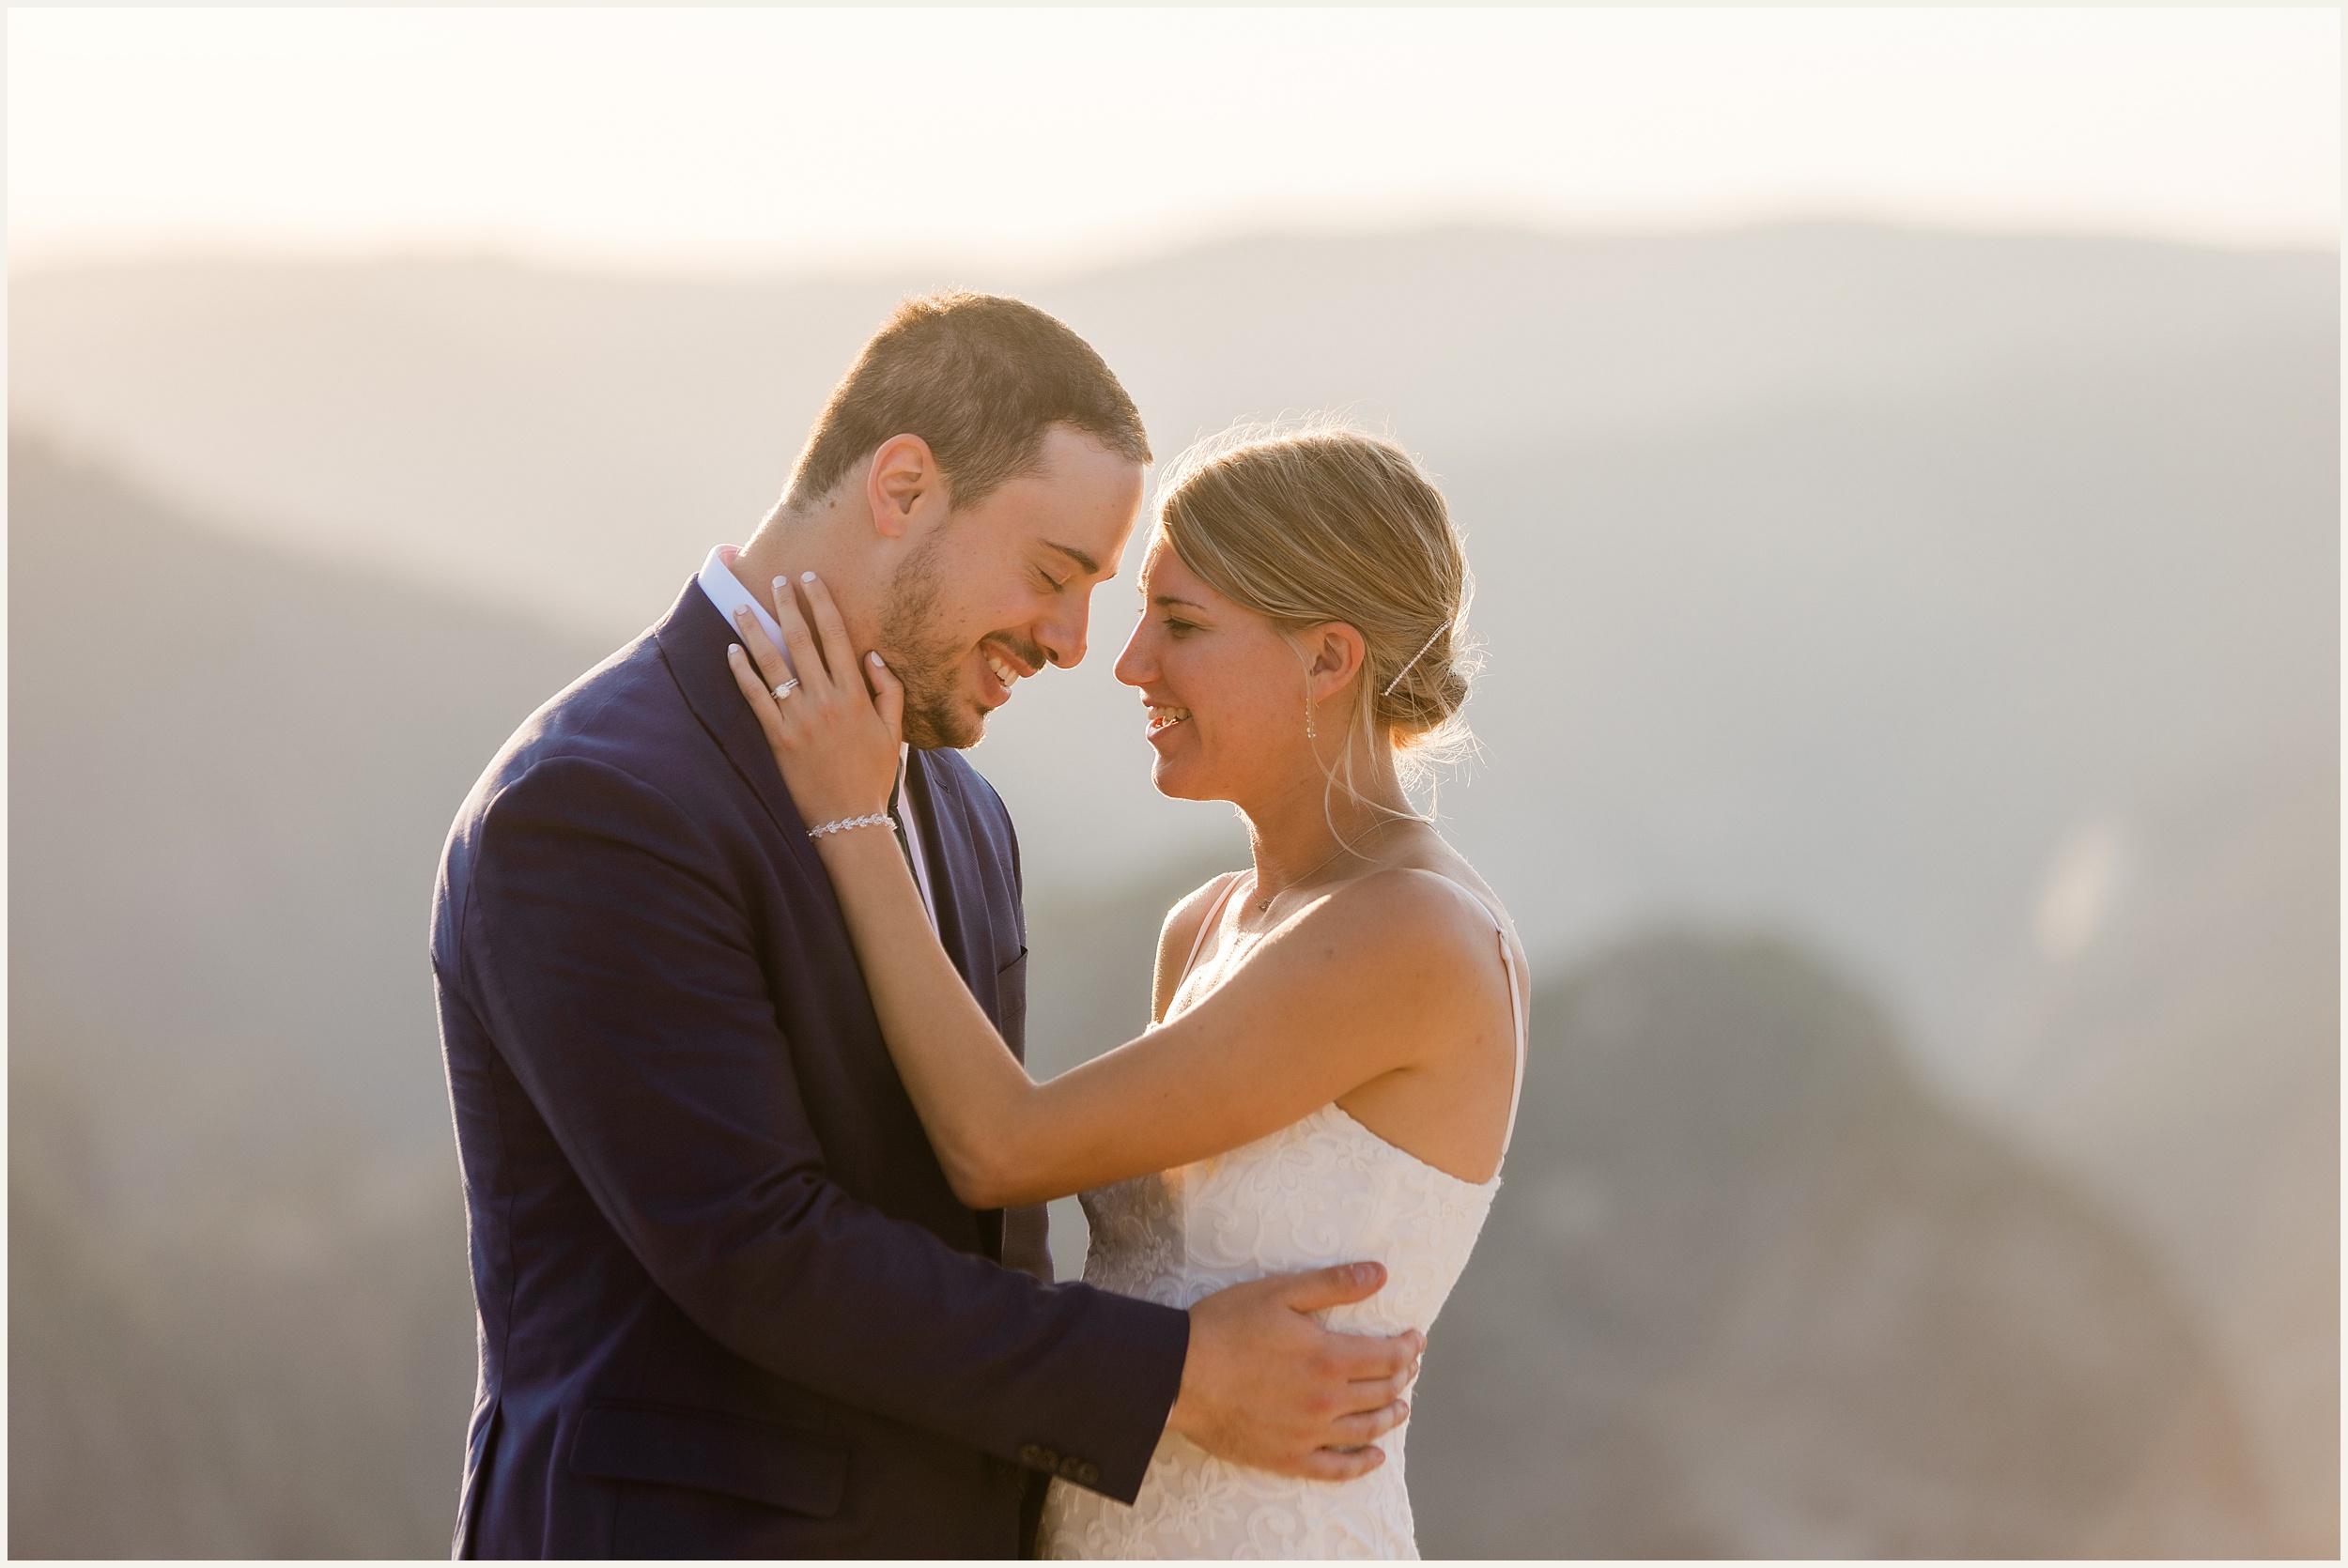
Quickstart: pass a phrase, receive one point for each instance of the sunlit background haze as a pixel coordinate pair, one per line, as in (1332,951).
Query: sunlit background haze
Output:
(1899,454)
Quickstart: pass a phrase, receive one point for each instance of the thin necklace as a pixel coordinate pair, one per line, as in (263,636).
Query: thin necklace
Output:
(1264,903)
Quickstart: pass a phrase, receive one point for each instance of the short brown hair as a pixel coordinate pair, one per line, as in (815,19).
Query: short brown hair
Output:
(980,377)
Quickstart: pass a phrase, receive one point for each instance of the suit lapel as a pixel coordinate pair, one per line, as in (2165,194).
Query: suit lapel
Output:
(693,640)
(961,898)
(954,881)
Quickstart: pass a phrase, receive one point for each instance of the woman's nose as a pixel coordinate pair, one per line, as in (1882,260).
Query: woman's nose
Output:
(1134,664)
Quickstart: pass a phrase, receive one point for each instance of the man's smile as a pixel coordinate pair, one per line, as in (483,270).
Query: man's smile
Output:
(1003,669)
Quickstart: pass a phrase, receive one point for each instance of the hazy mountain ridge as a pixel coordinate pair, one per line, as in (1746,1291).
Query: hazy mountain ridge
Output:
(240,1316)
(581,442)
(1848,594)
(260,758)
(2185,1066)
(239,1325)
(609,426)
(1736,672)
(1760,1296)
(236,1299)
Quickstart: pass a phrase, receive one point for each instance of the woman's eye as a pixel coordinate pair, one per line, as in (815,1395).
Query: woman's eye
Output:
(1179,628)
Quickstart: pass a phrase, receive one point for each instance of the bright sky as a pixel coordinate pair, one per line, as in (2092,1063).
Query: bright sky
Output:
(1059,137)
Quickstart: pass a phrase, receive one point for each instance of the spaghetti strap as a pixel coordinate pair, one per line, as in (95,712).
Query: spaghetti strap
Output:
(1508,965)
(1516,1016)
(1215,911)
(1516,1007)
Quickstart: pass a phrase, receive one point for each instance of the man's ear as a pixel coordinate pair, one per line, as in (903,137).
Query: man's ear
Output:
(902,483)
(1335,652)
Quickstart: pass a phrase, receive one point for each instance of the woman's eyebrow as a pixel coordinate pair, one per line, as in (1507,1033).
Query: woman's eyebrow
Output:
(1170,599)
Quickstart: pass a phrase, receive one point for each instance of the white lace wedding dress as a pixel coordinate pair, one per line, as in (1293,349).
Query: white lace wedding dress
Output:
(1325,1190)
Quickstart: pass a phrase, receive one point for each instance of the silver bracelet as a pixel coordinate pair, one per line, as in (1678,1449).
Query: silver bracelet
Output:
(878,818)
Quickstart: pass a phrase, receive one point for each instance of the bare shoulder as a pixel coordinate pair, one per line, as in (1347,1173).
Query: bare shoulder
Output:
(1401,912)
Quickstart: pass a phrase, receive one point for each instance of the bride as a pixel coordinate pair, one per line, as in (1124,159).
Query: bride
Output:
(1339,1029)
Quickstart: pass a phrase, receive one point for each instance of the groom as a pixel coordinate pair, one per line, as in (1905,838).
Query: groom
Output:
(728,1304)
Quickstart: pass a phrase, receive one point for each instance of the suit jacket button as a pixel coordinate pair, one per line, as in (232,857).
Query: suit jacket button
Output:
(1089,1475)
(1039,1457)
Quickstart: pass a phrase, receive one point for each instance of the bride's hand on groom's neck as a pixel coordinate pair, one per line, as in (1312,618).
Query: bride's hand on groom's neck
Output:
(834,723)
(1265,1385)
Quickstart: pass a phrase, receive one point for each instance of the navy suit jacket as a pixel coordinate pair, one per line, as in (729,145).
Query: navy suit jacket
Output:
(728,1304)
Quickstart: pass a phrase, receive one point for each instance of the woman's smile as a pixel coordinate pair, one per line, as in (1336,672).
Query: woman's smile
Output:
(1164,716)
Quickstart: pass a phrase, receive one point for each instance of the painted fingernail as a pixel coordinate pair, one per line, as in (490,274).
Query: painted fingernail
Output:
(806,576)
(780,582)
(879,663)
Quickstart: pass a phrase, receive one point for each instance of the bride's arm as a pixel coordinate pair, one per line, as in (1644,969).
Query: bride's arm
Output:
(1328,1003)
(1346,992)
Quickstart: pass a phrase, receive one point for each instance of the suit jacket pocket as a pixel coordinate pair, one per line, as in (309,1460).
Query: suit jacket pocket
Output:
(706,1452)
(1011,1003)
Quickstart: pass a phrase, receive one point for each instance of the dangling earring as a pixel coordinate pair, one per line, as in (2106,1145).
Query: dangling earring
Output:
(1308,694)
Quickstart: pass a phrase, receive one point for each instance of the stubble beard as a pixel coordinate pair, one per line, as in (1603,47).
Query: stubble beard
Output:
(925,662)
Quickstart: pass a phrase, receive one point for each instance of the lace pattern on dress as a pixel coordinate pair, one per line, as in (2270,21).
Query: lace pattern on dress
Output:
(1324,1190)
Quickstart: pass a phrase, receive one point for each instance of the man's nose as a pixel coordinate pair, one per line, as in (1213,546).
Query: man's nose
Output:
(1062,636)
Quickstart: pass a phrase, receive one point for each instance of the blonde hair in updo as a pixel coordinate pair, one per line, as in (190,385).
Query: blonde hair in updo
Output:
(1320,522)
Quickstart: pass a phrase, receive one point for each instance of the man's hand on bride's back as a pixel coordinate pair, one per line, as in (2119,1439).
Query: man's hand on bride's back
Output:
(1266,1386)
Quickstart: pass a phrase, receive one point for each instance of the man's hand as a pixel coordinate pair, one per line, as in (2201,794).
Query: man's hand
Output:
(1266,1386)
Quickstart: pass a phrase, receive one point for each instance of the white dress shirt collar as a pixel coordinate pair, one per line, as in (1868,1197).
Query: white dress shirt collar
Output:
(725,590)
